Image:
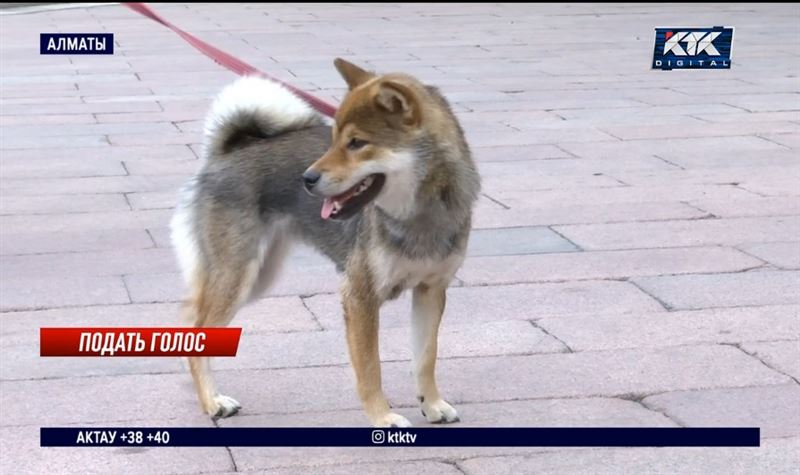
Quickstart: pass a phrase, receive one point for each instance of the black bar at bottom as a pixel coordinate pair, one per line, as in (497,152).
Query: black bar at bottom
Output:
(410,437)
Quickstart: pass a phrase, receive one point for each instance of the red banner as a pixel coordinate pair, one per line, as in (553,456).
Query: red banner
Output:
(137,341)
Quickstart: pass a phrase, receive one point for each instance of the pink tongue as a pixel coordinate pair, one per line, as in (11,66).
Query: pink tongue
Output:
(327,208)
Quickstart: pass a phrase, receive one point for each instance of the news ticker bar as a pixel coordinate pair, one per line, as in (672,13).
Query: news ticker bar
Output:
(410,437)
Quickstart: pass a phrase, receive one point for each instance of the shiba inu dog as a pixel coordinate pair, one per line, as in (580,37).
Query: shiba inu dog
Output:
(386,192)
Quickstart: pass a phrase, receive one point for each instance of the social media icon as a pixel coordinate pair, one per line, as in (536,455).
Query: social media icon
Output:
(378,437)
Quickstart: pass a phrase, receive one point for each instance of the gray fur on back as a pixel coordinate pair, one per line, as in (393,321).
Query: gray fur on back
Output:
(252,177)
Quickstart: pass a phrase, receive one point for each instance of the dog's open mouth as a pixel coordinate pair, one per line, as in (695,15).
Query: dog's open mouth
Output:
(348,203)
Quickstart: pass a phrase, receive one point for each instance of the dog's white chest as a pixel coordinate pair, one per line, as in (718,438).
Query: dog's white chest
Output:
(394,273)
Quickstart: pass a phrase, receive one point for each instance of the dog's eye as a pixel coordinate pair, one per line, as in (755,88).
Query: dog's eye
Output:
(355,144)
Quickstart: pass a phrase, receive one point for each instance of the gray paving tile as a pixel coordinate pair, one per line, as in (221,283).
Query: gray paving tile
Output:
(779,456)
(771,408)
(784,356)
(724,290)
(651,330)
(513,241)
(602,265)
(507,302)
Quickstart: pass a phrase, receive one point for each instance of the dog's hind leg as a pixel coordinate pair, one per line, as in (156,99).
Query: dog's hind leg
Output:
(240,260)
(216,298)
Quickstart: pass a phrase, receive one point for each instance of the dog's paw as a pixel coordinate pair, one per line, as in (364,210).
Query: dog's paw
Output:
(439,411)
(224,406)
(391,420)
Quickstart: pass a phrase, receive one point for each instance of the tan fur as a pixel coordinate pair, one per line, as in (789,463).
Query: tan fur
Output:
(361,318)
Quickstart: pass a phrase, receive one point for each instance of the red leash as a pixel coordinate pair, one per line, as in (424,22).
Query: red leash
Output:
(224,59)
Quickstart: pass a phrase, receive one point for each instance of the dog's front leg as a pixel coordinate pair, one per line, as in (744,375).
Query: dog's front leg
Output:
(427,308)
(361,314)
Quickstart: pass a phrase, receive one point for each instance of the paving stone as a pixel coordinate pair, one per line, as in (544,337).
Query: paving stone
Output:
(768,206)
(785,255)
(531,136)
(778,456)
(76,224)
(707,130)
(573,412)
(319,459)
(602,265)
(717,158)
(163,167)
(631,196)
(506,302)
(166,139)
(291,390)
(724,290)
(652,330)
(771,408)
(36,293)
(764,102)
(92,263)
(330,348)
(37,130)
(594,412)
(784,356)
(782,137)
(153,200)
(637,371)
(748,116)
(675,148)
(22,453)
(8,120)
(11,142)
(782,185)
(527,180)
(119,153)
(642,113)
(731,177)
(293,280)
(62,168)
(401,468)
(731,231)
(524,240)
(79,185)
(269,315)
(282,350)
(513,153)
(524,214)
(560,103)
(24,363)
(38,242)
(83,108)
(55,204)
(570,165)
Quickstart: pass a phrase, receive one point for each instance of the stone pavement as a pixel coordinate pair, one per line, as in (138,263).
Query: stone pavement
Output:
(635,261)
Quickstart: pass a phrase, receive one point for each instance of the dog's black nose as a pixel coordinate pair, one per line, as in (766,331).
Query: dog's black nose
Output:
(310,178)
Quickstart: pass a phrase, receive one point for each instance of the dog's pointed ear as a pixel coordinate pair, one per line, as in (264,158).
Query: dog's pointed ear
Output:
(397,98)
(352,74)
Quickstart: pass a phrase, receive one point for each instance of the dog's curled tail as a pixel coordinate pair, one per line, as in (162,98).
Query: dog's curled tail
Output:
(254,107)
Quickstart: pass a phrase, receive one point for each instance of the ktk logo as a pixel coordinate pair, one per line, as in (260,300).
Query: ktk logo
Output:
(696,42)
(693,48)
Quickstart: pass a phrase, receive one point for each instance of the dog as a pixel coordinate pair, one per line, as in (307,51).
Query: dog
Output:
(386,191)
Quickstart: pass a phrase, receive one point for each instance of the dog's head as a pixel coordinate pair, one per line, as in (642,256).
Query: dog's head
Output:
(373,151)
